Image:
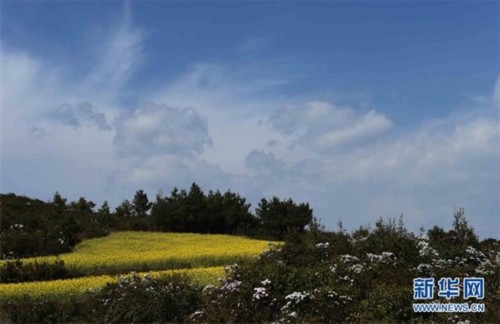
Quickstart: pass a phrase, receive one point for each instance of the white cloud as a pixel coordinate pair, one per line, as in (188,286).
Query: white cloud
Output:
(369,125)
(264,163)
(120,55)
(229,127)
(325,126)
(154,129)
(166,171)
(81,114)
(56,127)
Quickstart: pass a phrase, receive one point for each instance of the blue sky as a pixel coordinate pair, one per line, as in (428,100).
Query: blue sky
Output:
(363,109)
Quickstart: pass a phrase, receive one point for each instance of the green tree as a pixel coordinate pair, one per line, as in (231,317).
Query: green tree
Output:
(464,233)
(451,244)
(83,205)
(196,206)
(169,213)
(59,202)
(237,216)
(277,217)
(125,209)
(104,210)
(140,203)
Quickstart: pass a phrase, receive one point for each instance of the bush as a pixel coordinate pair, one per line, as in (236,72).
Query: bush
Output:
(131,299)
(137,299)
(16,271)
(336,277)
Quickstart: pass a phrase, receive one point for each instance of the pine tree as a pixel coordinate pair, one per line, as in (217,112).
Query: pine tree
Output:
(141,204)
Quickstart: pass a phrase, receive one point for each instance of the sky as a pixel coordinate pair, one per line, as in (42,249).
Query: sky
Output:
(363,109)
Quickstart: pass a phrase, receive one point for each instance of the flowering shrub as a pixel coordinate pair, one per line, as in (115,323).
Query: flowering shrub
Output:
(143,299)
(132,299)
(309,279)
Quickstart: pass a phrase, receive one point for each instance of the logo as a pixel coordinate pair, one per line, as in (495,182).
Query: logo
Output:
(448,288)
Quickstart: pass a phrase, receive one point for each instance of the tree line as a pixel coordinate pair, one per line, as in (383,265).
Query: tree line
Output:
(31,227)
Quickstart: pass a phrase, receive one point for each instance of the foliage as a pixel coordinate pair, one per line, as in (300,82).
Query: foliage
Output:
(196,212)
(132,298)
(277,217)
(16,271)
(32,227)
(82,205)
(337,277)
(141,204)
(168,300)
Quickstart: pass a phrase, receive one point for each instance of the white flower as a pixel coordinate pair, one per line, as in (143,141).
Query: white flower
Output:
(425,250)
(297,296)
(346,258)
(266,282)
(357,268)
(374,257)
(259,292)
(232,286)
(322,245)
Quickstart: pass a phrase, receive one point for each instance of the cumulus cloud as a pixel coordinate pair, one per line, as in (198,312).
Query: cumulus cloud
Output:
(326,126)
(422,173)
(91,115)
(56,125)
(154,129)
(416,155)
(369,125)
(264,163)
(82,114)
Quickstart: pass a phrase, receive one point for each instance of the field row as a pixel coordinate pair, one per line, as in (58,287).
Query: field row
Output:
(59,289)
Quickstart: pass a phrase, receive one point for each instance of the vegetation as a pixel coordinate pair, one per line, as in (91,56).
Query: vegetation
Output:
(143,251)
(314,275)
(31,227)
(63,289)
(130,299)
(337,277)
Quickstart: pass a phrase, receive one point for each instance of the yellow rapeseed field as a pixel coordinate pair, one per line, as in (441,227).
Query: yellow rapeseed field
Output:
(56,289)
(200,257)
(144,251)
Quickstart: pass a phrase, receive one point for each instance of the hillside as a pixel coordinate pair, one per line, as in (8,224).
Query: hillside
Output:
(121,252)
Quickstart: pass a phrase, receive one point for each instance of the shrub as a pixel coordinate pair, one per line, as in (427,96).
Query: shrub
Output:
(16,271)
